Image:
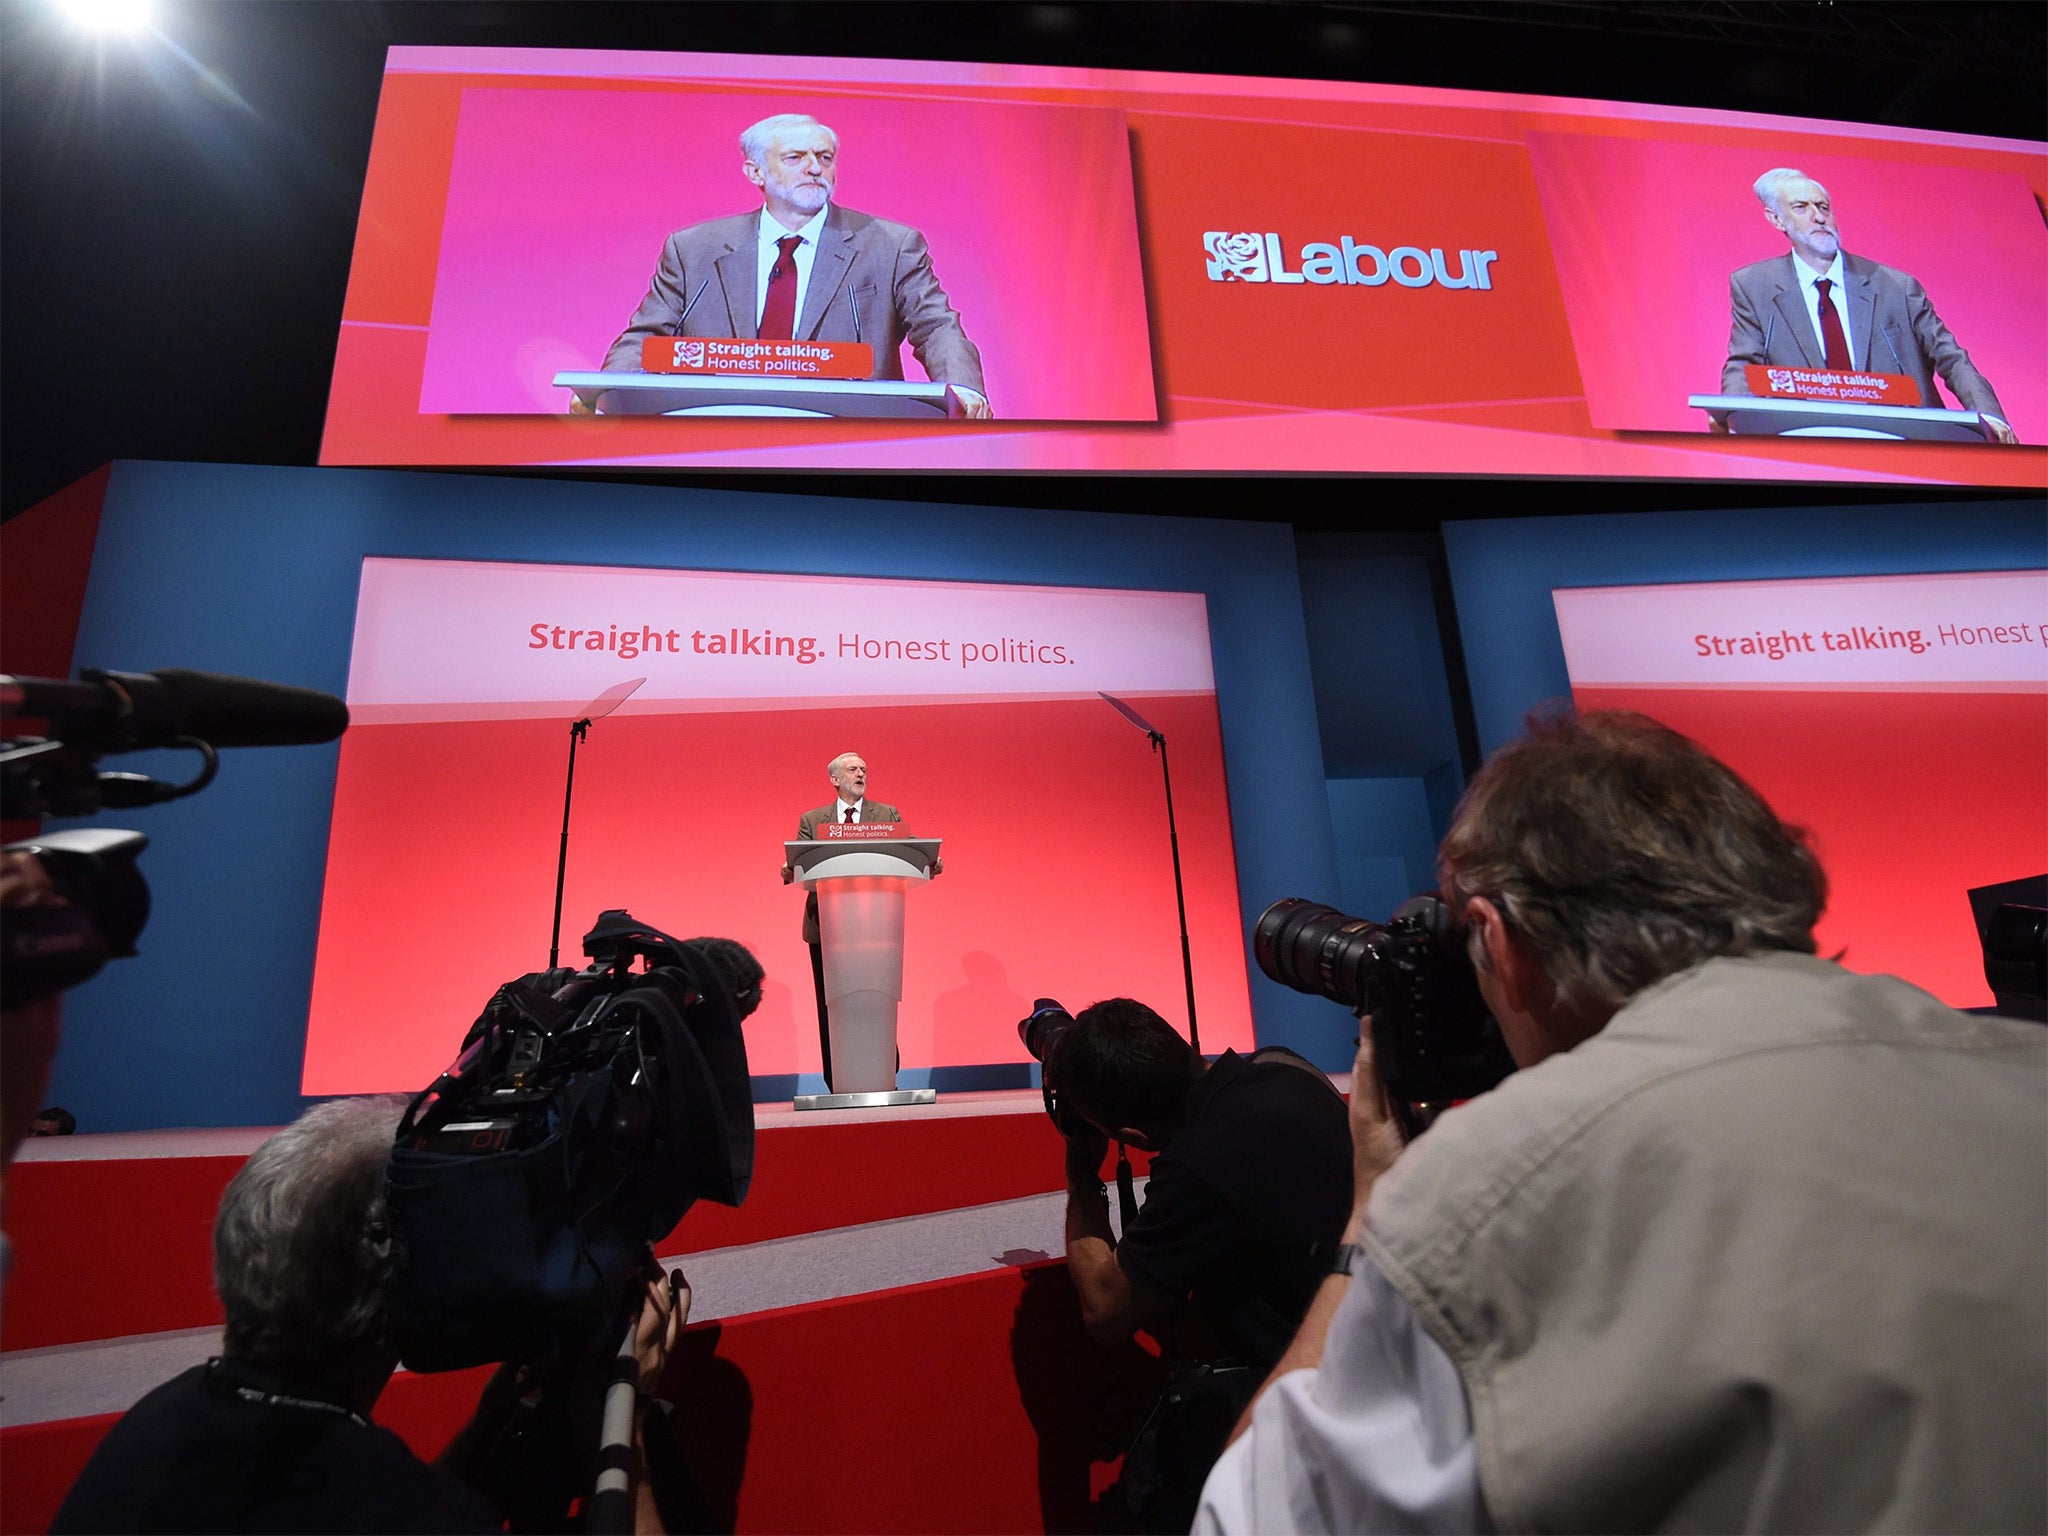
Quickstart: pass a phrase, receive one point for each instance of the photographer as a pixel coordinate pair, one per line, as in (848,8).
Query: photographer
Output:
(1249,1187)
(275,1434)
(1750,1242)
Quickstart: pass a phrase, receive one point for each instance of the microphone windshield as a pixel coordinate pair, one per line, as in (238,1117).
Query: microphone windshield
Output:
(227,711)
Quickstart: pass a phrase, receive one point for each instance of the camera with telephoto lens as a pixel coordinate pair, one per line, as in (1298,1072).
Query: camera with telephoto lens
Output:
(1040,1030)
(1434,1041)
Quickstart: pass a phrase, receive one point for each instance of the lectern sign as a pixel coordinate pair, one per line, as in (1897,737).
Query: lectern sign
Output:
(1767,382)
(857,832)
(752,358)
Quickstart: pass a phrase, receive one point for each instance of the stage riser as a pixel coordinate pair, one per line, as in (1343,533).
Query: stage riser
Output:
(970,1404)
(69,1220)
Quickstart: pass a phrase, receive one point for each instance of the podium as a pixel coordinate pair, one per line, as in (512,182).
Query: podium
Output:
(690,394)
(1758,416)
(860,887)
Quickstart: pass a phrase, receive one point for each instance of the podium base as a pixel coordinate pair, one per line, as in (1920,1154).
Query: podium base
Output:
(882,1100)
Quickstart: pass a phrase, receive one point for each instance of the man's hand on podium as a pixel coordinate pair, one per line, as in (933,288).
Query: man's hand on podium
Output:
(578,406)
(788,874)
(2002,431)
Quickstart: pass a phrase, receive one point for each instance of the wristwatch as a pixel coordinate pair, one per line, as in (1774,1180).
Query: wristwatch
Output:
(1345,1258)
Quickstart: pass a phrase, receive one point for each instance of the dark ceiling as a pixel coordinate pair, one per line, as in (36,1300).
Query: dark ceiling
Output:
(176,220)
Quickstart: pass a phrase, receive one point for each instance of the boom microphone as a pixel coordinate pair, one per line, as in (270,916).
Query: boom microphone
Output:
(132,711)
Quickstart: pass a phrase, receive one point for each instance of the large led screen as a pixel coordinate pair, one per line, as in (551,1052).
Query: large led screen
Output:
(978,708)
(1902,720)
(1109,271)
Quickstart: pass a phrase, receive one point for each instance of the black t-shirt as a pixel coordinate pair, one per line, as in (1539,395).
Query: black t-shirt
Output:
(1246,1203)
(196,1456)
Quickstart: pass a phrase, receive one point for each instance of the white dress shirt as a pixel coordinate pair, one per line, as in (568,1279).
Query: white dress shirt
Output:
(1838,296)
(1377,1438)
(839,811)
(765,258)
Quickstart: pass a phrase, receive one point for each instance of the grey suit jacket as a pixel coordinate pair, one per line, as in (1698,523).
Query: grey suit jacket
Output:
(871,281)
(1892,329)
(871,811)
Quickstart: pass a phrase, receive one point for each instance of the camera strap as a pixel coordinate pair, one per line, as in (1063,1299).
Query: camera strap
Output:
(1126,1190)
(216,1368)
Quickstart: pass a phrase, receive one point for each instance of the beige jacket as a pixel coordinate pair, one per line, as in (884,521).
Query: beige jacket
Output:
(872,281)
(1769,1252)
(807,829)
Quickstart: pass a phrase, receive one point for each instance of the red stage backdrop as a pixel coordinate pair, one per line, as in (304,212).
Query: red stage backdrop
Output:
(1903,720)
(976,706)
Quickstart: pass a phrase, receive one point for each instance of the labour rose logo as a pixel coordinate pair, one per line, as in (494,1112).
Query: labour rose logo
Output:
(689,354)
(1782,382)
(1239,258)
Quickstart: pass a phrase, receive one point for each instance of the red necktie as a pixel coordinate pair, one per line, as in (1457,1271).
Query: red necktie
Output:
(848,816)
(1832,338)
(778,314)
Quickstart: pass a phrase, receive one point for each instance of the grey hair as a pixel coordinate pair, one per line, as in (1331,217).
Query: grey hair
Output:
(754,141)
(301,1250)
(1622,852)
(832,768)
(1770,187)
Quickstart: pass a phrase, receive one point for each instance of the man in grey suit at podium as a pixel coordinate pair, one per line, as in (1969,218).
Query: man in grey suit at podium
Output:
(849,775)
(1819,307)
(803,267)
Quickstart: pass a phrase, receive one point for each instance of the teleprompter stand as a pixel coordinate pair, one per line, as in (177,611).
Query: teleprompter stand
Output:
(597,709)
(1180,900)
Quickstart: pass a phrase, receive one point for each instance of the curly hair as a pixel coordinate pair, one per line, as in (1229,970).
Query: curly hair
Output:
(1622,852)
(301,1252)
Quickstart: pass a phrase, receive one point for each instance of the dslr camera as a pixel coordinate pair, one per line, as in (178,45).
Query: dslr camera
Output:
(1040,1030)
(1434,1041)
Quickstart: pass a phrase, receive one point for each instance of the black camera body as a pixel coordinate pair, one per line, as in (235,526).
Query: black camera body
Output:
(50,948)
(45,949)
(587,1112)
(1040,1030)
(1434,1040)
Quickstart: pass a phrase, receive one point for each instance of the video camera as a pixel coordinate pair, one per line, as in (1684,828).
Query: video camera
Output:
(50,948)
(587,1111)
(1434,1040)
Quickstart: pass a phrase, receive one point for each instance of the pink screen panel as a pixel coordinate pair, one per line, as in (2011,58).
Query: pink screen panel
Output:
(1646,232)
(1028,213)
(1425,281)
